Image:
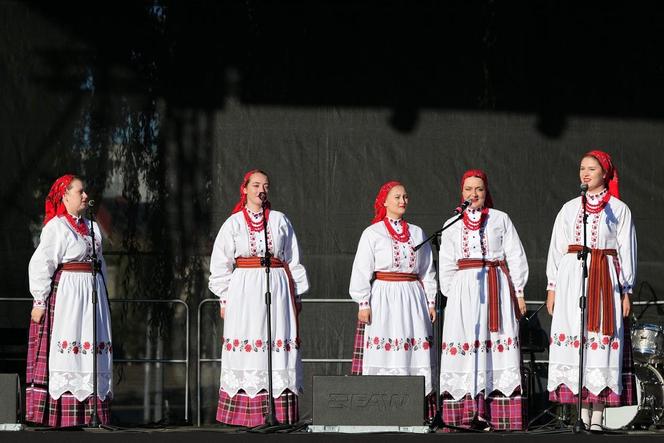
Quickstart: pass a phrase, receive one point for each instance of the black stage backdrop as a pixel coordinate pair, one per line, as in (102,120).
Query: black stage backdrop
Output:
(162,106)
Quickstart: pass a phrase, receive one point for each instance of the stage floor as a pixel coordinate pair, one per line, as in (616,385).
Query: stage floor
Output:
(206,434)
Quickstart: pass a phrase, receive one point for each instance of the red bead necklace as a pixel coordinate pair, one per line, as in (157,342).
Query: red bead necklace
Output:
(255,226)
(597,207)
(405,233)
(81,227)
(475,225)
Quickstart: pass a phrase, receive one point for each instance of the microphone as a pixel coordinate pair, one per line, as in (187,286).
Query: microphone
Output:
(584,188)
(462,207)
(263,197)
(91,203)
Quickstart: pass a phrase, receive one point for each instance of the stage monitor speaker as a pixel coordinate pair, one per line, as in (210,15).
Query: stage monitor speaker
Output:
(10,398)
(368,400)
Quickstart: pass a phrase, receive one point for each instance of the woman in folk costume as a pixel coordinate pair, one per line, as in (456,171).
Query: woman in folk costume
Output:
(611,237)
(483,271)
(60,349)
(239,280)
(395,289)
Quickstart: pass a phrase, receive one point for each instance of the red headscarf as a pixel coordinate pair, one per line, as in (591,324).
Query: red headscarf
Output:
(379,205)
(611,177)
(243,197)
(54,206)
(478,173)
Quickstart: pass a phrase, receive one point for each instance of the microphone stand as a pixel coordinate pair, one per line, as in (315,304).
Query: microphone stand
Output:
(561,418)
(528,318)
(437,422)
(583,256)
(271,424)
(270,417)
(94,418)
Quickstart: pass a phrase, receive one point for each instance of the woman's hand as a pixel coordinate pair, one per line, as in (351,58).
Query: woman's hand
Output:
(37,314)
(550,301)
(522,305)
(432,314)
(364,316)
(222,313)
(626,305)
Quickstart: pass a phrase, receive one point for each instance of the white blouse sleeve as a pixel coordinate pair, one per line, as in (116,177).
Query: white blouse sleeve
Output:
(626,239)
(515,257)
(557,248)
(44,262)
(362,274)
(447,265)
(292,257)
(222,261)
(427,273)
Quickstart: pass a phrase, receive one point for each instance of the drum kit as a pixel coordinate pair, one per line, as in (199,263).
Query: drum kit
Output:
(648,351)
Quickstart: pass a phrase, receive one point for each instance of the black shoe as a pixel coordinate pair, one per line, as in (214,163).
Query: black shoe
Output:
(481,425)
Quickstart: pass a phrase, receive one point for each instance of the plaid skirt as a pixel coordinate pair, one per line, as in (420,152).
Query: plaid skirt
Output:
(40,407)
(358,350)
(242,410)
(356,369)
(497,411)
(608,397)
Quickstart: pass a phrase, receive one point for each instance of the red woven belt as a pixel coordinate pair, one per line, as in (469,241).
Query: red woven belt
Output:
(255,262)
(600,289)
(77,266)
(494,305)
(395,276)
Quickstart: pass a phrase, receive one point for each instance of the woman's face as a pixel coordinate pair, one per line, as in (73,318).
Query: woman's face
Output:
(75,198)
(592,174)
(257,183)
(474,190)
(396,202)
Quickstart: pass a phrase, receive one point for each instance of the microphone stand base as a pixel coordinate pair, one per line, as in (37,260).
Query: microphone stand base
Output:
(436,421)
(94,420)
(268,428)
(101,428)
(271,420)
(578,427)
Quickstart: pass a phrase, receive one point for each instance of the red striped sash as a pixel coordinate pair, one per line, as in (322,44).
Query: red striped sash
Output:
(600,289)
(255,262)
(395,276)
(494,305)
(76,266)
